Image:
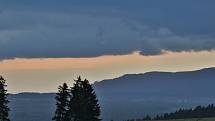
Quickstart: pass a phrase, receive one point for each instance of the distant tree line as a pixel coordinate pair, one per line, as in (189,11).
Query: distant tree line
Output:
(197,112)
(147,118)
(79,103)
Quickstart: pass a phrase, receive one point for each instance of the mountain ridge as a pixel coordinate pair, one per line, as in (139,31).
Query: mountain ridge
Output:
(159,72)
(129,96)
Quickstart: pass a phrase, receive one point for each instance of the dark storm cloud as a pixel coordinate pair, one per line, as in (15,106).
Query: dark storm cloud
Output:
(38,29)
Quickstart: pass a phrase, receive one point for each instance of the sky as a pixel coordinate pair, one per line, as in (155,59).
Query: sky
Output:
(46,43)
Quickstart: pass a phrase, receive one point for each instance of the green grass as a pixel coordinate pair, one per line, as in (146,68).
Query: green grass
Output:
(194,119)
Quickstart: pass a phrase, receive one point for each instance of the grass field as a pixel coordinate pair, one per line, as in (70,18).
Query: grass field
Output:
(195,119)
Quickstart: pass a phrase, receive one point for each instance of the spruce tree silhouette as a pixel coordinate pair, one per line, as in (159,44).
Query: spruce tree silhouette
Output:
(4,109)
(83,104)
(62,99)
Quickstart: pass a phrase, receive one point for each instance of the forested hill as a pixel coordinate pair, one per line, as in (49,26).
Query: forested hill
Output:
(129,96)
(198,83)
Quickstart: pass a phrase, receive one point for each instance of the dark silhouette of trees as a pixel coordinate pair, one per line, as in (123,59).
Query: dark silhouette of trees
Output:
(62,99)
(147,118)
(83,104)
(4,109)
(74,112)
(197,112)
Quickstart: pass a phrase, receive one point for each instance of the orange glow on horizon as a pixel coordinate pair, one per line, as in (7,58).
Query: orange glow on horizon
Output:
(106,61)
(46,73)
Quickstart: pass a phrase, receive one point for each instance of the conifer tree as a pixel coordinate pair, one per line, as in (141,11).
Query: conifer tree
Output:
(92,106)
(4,109)
(73,112)
(62,99)
(83,105)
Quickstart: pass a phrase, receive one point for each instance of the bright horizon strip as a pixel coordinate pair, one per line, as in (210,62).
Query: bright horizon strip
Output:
(44,75)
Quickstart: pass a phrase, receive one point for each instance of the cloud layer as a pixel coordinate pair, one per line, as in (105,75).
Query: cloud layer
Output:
(88,29)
